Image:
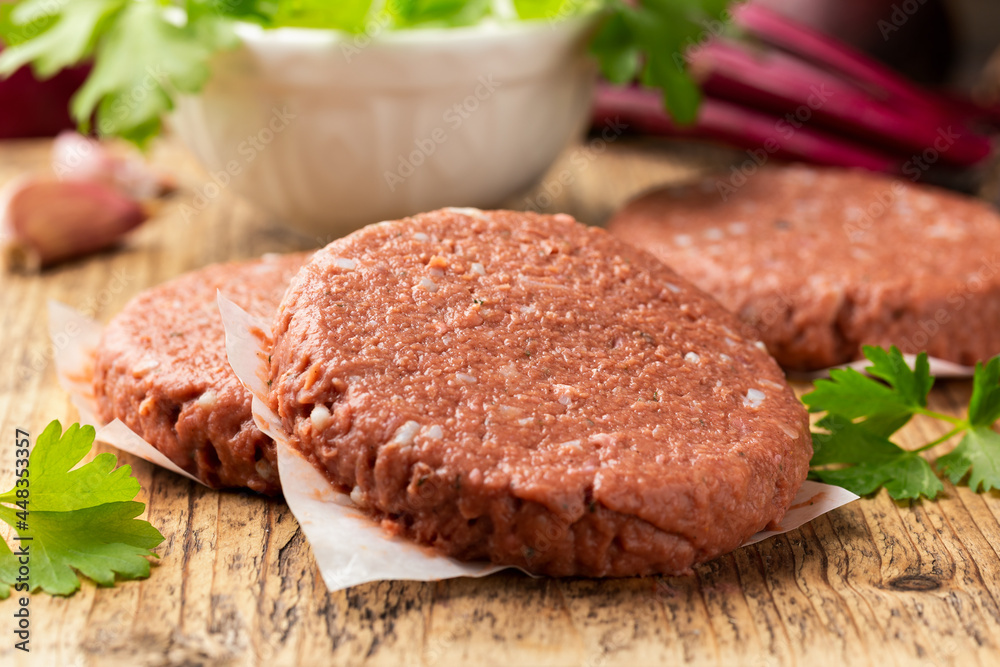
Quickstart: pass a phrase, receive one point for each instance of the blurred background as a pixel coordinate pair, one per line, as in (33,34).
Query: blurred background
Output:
(905,87)
(935,42)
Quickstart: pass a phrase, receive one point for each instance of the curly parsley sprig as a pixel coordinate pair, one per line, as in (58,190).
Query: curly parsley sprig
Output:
(853,448)
(75,520)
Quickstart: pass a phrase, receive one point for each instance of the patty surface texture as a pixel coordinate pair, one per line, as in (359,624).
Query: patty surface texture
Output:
(819,262)
(161,368)
(528,390)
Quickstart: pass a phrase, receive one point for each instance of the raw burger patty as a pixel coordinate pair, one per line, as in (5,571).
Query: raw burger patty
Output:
(525,389)
(162,369)
(818,262)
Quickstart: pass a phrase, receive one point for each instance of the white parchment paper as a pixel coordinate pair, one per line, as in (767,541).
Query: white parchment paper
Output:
(74,339)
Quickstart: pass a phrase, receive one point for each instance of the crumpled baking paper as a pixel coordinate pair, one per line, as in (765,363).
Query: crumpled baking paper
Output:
(74,339)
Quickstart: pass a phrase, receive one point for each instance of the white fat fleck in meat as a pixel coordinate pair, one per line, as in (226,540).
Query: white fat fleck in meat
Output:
(673,288)
(510,372)
(692,358)
(770,383)
(789,432)
(603,439)
(265,470)
(434,432)
(737,228)
(471,212)
(525,421)
(358,496)
(145,366)
(571,445)
(564,393)
(541,284)
(319,417)
(853,213)
(944,229)
(436,272)
(465,377)
(683,240)
(420,236)
(754,398)
(428,285)
(713,234)
(528,310)
(346,264)
(725,357)
(207,400)
(760,346)
(404,434)
(860,254)
(478,268)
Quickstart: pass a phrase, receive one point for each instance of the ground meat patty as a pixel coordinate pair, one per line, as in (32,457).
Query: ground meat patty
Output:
(162,369)
(818,262)
(526,389)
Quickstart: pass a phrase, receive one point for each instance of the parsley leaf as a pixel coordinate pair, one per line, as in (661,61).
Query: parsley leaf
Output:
(851,394)
(67,36)
(79,520)
(60,488)
(984,406)
(852,449)
(131,92)
(872,461)
(8,570)
(978,454)
(648,40)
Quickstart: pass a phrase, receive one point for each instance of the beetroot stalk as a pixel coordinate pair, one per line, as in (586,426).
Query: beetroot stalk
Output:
(774,81)
(831,54)
(732,124)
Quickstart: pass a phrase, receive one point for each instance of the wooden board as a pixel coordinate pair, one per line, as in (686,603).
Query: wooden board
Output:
(874,583)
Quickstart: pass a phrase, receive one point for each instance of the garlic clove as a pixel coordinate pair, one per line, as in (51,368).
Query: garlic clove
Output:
(79,158)
(44,222)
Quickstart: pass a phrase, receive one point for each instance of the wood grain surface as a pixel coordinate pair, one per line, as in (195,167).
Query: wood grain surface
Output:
(874,583)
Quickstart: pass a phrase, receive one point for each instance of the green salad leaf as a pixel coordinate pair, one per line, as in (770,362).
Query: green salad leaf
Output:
(852,446)
(75,519)
(147,52)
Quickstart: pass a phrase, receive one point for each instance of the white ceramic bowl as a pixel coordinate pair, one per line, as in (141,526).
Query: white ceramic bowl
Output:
(329,132)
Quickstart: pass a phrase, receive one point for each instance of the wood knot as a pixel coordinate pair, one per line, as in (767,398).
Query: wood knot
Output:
(915,582)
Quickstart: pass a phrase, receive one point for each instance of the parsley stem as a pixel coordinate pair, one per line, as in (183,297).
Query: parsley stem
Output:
(957,421)
(947,436)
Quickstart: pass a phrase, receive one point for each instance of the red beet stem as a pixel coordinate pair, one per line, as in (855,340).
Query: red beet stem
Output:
(763,135)
(831,54)
(777,82)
